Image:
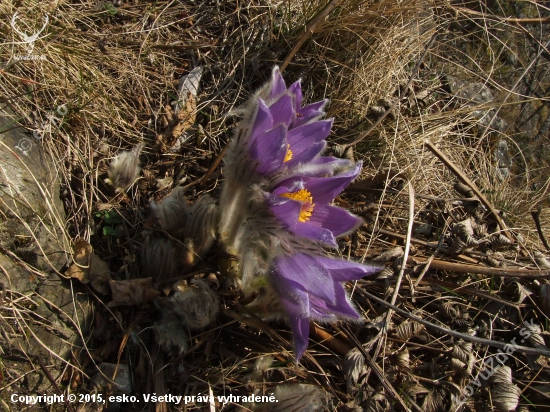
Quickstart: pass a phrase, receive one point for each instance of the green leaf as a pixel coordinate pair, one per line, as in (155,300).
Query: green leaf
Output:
(113,231)
(112,217)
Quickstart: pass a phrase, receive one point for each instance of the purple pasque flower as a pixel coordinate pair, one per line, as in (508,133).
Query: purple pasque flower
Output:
(281,133)
(309,288)
(301,203)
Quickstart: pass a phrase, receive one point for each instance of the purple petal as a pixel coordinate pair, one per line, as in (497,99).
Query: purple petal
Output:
(313,232)
(344,270)
(324,166)
(335,219)
(308,272)
(324,190)
(282,110)
(290,185)
(292,295)
(269,149)
(296,90)
(342,305)
(278,85)
(300,333)
(286,210)
(309,113)
(307,155)
(302,137)
(262,121)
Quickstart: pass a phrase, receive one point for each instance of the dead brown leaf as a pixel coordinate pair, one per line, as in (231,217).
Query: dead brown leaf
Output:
(100,275)
(89,268)
(177,123)
(82,259)
(132,292)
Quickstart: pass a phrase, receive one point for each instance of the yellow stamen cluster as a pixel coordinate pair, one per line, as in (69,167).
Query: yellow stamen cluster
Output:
(303,196)
(288,155)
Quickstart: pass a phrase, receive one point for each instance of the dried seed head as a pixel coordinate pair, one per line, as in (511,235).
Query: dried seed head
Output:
(160,259)
(196,305)
(499,241)
(457,246)
(463,190)
(480,230)
(462,358)
(173,212)
(148,182)
(124,169)
(390,254)
(450,310)
(201,224)
(262,364)
(504,393)
(377,111)
(535,335)
(541,260)
(517,291)
(171,335)
(408,329)
(398,263)
(386,273)
(343,152)
(544,298)
(471,242)
(402,360)
(354,369)
(298,397)
(492,259)
(463,229)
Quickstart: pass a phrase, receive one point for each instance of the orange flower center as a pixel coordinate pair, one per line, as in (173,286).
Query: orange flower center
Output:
(288,155)
(303,196)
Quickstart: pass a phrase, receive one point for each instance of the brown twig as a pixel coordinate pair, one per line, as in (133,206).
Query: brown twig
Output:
(310,28)
(469,291)
(484,270)
(447,162)
(54,383)
(159,382)
(379,372)
(525,20)
(535,212)
(401,271)
(210,170)
(213,166)
(469,338)
(328,340)
(470,256)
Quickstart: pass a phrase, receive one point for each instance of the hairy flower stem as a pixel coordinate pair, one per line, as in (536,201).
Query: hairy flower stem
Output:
(232,215)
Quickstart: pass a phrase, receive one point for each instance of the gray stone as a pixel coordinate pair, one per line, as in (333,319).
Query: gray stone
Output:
(502,155)
(473,94)
(32,218)
(33,249)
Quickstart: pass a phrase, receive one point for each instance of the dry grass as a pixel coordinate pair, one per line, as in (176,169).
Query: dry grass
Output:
(116,68)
